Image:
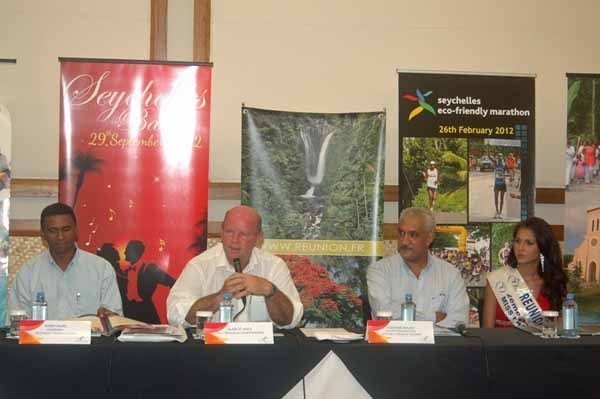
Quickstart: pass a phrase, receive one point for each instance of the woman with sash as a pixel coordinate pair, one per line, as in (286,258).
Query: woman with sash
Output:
(533,280)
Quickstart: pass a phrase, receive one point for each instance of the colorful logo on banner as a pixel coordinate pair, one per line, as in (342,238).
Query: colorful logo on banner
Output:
(133,149)
(420,99)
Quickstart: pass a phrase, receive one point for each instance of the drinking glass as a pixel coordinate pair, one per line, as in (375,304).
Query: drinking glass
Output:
(15,322)
(550,324)
(202,317)
(383,315)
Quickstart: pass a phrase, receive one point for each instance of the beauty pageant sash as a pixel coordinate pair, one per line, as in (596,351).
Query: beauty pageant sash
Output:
(515,298)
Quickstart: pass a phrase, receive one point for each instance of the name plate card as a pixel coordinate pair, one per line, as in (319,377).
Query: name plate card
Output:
(238,333)
(400,332)
(55,332)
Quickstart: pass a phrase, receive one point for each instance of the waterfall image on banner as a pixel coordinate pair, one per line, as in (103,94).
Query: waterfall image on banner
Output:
(317,181)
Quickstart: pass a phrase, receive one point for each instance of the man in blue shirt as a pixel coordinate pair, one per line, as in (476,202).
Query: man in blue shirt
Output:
(436,286)
(74,282)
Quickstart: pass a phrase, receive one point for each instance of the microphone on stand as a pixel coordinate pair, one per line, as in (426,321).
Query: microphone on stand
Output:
(237,265)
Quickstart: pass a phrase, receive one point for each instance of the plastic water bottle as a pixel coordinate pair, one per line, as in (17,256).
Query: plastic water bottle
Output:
(226,309)
(39,308)
(570,315)
(408,308)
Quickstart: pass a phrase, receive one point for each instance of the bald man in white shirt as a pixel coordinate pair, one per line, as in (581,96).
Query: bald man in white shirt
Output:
(264,281)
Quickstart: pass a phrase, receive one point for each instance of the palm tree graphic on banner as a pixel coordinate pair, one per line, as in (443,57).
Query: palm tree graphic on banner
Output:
(84,163)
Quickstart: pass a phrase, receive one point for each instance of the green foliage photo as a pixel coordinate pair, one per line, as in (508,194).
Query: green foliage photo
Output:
(349,200)
(450,156)
(583,108)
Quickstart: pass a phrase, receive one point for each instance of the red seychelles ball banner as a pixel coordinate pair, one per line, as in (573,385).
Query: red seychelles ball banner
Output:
(134,151)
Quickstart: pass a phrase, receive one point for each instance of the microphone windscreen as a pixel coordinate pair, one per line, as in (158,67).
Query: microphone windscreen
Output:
(237,265)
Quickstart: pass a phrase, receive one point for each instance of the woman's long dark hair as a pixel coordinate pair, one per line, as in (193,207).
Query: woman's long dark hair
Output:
(554,276)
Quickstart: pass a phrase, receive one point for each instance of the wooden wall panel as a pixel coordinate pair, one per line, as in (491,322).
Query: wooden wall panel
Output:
(202,30)
(550,196)
(158,29)
(48,188)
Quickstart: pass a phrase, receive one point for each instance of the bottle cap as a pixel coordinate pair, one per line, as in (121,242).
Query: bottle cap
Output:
(39,296)
(570,296)
(408,297)
(204,313)
(227,296)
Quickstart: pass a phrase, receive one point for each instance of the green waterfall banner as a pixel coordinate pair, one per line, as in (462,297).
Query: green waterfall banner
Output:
(317,180)
(582,200)
(466,152)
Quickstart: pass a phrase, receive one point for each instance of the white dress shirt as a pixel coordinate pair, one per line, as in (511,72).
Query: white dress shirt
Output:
(205,274)
(439,288)
(88,282)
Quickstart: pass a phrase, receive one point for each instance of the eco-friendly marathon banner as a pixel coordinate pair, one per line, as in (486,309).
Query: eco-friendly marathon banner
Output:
(134,166)
(5,157)
(466,153)
(582,200)
(317,180)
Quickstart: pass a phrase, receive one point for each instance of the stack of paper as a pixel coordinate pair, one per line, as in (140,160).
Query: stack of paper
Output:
(331,334)
(589,330)
(153,333)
